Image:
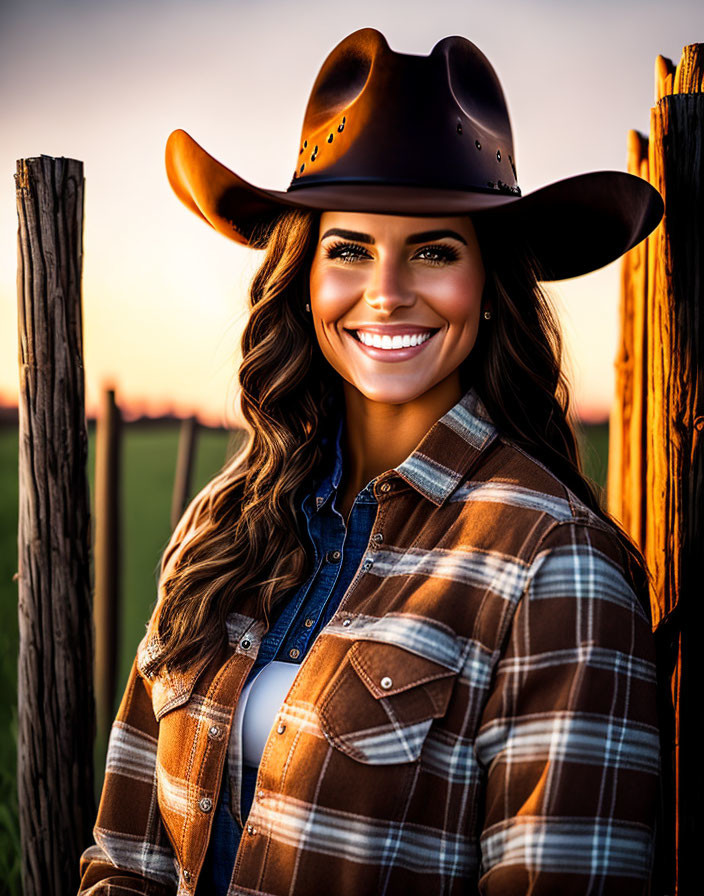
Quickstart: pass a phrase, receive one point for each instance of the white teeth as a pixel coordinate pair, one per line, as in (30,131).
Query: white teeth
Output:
(392,342)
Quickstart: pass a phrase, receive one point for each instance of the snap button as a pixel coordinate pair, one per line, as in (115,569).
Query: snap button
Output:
(294,653)
(378,536)
(205,804)
(385,487)
(251,829)
(245,643)
(214,731)
(333,556)
(386,682)
(281,729)
(367,564)
(186,875)
(347,622)
(308,623)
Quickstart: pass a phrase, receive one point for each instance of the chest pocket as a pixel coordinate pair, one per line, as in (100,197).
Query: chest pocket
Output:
(381,702)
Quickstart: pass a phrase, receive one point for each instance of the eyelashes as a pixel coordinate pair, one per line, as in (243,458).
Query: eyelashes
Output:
(339,248)
(348,252)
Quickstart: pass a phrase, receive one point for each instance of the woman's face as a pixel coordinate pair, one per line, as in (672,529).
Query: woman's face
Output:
(395,300)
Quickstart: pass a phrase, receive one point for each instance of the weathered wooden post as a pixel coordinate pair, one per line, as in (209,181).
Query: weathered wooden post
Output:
(107,563)
(663,317)
(184,468)
(55,694)
(626,476)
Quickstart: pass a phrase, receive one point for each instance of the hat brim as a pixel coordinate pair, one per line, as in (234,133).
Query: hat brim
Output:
(574,226)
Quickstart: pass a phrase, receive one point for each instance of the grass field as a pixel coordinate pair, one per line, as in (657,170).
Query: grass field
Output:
(148,466)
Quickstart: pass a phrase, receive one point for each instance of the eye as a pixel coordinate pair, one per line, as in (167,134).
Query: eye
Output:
(438,254)
(346,252)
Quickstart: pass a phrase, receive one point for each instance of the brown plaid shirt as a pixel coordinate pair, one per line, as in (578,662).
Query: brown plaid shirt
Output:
(478,716)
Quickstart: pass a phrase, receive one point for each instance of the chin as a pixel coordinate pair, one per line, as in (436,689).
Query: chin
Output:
(390,393)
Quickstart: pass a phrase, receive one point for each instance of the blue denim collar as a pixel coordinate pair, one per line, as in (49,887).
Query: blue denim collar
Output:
(329,483)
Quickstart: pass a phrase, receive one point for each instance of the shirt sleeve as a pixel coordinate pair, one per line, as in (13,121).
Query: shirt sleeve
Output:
(569,734)
(131,853)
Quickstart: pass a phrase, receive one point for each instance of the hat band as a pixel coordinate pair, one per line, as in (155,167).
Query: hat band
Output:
(312,181)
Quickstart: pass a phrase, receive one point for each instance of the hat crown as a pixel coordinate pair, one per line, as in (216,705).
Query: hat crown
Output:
(378,116)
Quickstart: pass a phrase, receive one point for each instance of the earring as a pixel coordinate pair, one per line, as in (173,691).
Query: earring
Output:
(307,307)
(487,315)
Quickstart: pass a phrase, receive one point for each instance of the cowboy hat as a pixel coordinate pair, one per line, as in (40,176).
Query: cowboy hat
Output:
(396,133)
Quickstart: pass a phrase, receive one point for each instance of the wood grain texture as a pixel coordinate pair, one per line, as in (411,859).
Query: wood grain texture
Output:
(656,474)
(675,487)
(107,562)
(55,696)
(625,480)
(689,75)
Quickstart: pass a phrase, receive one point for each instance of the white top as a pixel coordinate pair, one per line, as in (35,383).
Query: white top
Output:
(260,700)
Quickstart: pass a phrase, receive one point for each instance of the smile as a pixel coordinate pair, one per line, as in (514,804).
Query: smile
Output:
(391,342)
(387,347)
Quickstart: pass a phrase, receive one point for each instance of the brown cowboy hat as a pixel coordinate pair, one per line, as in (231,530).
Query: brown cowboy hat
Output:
(396,133)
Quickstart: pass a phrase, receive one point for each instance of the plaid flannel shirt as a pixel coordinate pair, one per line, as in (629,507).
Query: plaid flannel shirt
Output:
(478,716)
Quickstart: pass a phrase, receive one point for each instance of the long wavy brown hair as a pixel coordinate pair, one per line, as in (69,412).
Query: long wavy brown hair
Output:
(243,534)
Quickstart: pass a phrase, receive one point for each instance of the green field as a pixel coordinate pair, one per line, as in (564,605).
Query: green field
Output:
(148,466)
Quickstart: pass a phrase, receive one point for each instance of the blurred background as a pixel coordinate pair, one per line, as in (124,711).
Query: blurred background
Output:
(164,296)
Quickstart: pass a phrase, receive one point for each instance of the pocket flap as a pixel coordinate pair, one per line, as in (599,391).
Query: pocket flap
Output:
(387,669)
(380,703)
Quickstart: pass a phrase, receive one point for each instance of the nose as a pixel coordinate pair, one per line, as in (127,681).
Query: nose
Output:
(387,288)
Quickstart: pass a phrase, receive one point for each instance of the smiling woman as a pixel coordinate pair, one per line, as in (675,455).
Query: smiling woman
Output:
(395,311)
(398,647)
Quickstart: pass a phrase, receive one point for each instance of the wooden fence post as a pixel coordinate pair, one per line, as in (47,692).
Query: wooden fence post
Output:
(184,468)
(664,510)
(55,692)
(107,563)
(626,477)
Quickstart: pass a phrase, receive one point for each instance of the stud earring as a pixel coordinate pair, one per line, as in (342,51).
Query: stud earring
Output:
(487,315)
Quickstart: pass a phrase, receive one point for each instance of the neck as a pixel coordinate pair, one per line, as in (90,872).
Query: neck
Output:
(378,436)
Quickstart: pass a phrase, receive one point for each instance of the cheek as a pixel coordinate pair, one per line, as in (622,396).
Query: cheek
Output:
(458,297)
(332,292)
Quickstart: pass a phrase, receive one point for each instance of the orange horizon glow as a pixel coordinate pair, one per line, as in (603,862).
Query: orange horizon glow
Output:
(133,409)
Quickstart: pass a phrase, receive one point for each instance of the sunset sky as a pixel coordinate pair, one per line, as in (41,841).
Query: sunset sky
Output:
(163,294)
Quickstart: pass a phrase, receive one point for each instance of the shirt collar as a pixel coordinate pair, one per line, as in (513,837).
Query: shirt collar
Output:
(450,447)
(440,460)
(331,479)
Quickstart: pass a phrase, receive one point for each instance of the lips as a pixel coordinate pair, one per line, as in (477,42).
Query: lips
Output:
(392,338)
(391,343)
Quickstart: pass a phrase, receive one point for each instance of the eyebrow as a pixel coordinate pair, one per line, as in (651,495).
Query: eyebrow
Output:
(425,237)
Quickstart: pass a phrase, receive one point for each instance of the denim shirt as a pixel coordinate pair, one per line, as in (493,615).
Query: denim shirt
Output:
(338,551)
